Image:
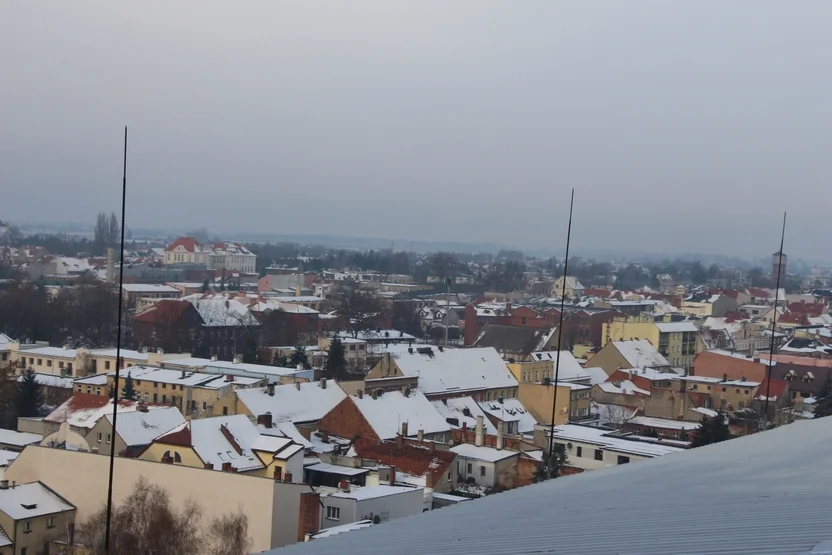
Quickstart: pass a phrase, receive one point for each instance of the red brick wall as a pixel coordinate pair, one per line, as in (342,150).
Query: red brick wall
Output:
(345,420)
(309,517)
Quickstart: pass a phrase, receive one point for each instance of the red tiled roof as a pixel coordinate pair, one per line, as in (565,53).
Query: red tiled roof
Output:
(811,309)
(189,243)
(181,437)
(84,401)
(165,311)
(776,389)
(596,292)
(792,318)
(757,292)
(410,459)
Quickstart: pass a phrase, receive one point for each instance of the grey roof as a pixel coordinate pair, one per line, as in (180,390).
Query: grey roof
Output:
(766,493)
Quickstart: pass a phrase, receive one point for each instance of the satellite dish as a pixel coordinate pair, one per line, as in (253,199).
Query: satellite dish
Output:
(569,446)
(451,443)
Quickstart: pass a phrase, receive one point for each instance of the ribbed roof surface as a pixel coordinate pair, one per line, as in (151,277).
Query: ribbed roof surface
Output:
(768,493)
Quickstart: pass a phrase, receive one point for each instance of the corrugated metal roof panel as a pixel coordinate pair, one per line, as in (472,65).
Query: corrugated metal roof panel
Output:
(763,494)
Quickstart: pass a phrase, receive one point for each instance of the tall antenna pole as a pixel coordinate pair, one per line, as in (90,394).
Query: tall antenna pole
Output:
(774,320)
(447,310)
(560,336)
(118,351)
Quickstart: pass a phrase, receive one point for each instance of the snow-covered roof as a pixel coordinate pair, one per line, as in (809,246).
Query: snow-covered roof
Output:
(654,374)
(186,378)
(456,370)
(75,264)
(298,403)
(388,411)
(337,469)
(707,412)
(234,368)
(372,492)
(488,454)
(759,360)
(149,288)
(609,441)
(50,380)
(83,410)
(18,439)
(378,335)
(675,327)
(31,500)
(456,408)
(511,410)
(4,342)
(6,457)
(625,387)
(126,354)
(49,352)
(663,423)
(640,353)
(222,312)
(209,438)
(570,370)
(335,530)
(140,428)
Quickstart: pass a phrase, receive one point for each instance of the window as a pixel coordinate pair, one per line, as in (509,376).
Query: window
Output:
(31,361)
(623,460)
(49,363)
(40,362)
(164,398)
(470,468)
(723,390)
(50,522)
(204,405)
(333,513)
(225,411)
(482,471)
(69,366)
(98,391)
(22,551)
(100,436)
(165,386)
(27,527)
(138,382)
(106,365)
(108,438)
(89,389)
(155,397)
(578,451)
(155,384)
(599,455)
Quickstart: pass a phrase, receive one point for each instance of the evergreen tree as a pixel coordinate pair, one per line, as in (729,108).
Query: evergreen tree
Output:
(250,355)
(336,361)
(206,286)
(29,395)
(281,361)
(711,430)
(299,356)
(823,405)
(128,392)
(544,472)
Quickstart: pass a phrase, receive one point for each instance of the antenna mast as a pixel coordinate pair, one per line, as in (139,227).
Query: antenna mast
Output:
(774,320)
(560,337)
(118,352)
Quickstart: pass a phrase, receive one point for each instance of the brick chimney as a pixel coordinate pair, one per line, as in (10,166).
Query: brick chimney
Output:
(209,466)
(226,467)
(399,441)
(420,435)
(404,429)
(278,474)
(323,383)
(479,431)
(392,475)
(309,514)
(265,420)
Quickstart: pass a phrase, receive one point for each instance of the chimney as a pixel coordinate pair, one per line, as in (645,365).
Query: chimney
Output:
(464,431)
(278,474)
(229,378)
(4,484)
(265,420)
(399,441)
(183,376)
(324,436)
(297,385)
(270,389)
(404,429)
(406,391)
(299,366)
(725,377)
(375,394)
(209,466)
(360,393)
(478,436)
(287,477)
(499,434)
(323,383)
(420,435)
(226,467)
(344,486)
(392,475)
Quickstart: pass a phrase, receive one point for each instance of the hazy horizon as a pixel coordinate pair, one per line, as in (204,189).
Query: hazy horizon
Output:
(684,127)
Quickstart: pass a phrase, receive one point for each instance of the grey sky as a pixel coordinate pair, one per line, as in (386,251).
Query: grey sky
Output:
(684,126)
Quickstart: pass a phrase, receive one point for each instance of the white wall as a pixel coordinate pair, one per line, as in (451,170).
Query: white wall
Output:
(490,478)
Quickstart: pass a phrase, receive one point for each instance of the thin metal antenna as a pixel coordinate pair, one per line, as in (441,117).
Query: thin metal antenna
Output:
(560,335)
(774,319)
(118,352)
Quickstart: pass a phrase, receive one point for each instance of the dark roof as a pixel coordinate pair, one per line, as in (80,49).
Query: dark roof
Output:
(512,339)
(165,311)
(182,437)
(780,478)
(411,459)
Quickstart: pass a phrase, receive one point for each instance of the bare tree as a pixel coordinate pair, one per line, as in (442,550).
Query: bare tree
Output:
(614,416)
(146,523)
(359,309)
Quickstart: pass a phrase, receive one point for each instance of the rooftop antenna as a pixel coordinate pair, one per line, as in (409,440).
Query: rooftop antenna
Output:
(118,352)
(560,336)
(774,321)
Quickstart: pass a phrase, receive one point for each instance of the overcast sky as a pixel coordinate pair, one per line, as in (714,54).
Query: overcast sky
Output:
(686,126)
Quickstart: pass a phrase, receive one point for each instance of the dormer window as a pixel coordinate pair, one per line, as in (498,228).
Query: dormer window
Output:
(790,375)
(808,377)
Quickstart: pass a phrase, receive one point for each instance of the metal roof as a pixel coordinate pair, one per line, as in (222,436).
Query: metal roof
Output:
(766,493)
